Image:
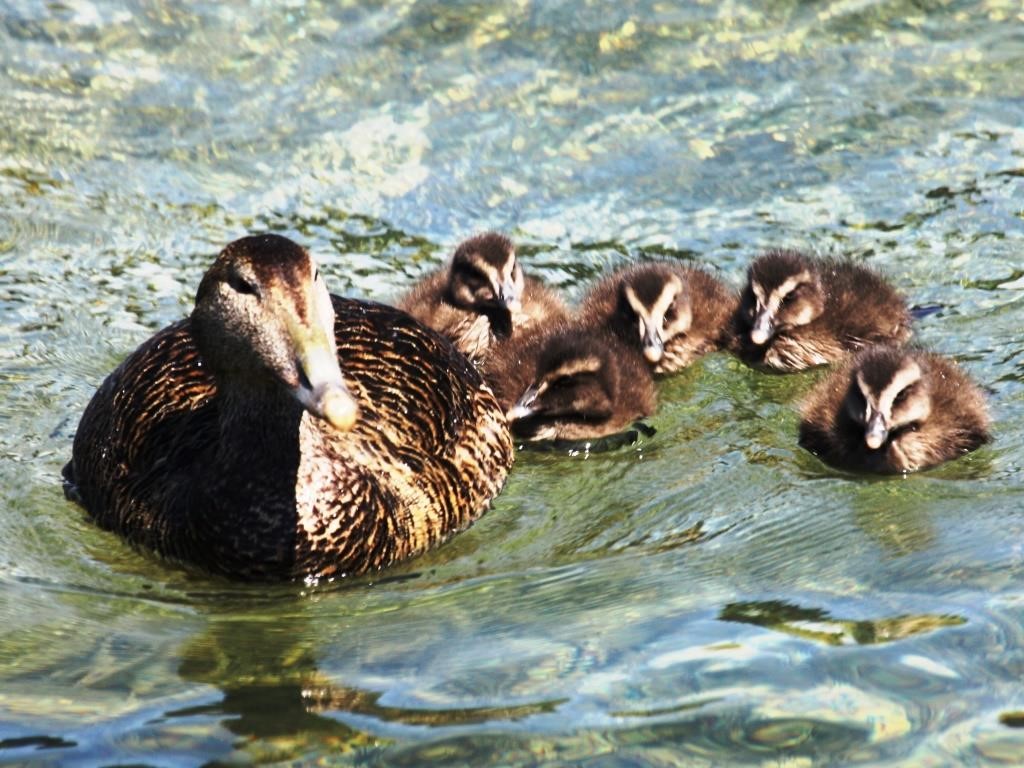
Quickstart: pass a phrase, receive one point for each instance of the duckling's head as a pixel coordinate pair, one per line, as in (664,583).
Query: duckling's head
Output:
(654,301)
(784,290)
(263,316)
(575,382)
(889,393)
(485,276)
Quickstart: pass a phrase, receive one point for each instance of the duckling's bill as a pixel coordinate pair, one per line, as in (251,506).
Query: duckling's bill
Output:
(525,406)
(510,294)
(653,344)
(763,328)
(876,431)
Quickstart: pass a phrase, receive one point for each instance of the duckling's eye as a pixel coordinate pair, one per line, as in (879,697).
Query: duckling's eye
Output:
(240,285)
(561,381)
(671,315)
(476,282)
(856,398)
(749,303)
(788,299)
(901,397)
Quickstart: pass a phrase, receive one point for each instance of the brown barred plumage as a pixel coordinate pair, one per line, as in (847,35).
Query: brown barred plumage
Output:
(170,458)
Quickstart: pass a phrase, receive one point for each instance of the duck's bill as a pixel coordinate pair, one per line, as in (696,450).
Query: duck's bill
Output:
(339,409)
(321,388)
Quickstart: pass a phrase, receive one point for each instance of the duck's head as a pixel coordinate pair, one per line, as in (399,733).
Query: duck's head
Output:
(263,316)
(654,304)
(784,290)
(485,277)
(889,393)
(576,382)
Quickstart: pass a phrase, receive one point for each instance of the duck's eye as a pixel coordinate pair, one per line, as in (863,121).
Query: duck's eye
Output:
(788,299)
(671,315)
(901,397)
(240,285)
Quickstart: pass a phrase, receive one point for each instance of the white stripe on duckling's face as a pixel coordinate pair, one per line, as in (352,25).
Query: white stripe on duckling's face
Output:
(770,312)
(666,317)
(566,376)
(903,400)
(508,286)
(476,282)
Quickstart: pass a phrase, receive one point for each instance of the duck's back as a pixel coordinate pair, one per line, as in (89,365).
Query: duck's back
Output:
(863,308)
(427,421)
(714,304)
(428,452)
(137,440)
(426,301)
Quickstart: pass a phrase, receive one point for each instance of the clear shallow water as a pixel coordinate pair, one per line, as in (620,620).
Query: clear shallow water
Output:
(711,595)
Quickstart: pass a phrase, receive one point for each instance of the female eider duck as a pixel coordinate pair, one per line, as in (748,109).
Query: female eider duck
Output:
(889,409)
(570,382)
(280,432)
(674,313)
(797,311)
(482,297)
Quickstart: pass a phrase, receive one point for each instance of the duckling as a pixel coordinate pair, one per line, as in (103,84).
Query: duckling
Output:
(570,382)
(674,313)
(280,432)
(797,311)
(890,409)
(482,296)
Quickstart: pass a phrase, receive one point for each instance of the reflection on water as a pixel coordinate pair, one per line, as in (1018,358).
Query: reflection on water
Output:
(706,594)
(279,703)
(818,624)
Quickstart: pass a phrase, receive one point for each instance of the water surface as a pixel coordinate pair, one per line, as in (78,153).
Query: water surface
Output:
(712,594)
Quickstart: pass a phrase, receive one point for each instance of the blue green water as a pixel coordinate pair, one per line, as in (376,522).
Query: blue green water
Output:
(712,595)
